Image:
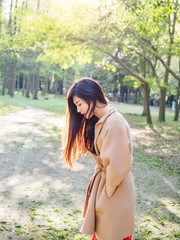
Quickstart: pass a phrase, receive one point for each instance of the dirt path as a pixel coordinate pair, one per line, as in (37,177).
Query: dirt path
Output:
(41,199)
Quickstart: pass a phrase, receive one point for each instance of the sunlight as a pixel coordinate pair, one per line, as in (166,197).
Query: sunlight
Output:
(171,205)
(69,3)
(170,184)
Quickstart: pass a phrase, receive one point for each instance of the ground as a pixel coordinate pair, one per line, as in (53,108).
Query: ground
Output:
(40,198)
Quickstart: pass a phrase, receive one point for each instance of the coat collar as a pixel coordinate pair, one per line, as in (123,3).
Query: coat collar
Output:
(99,125)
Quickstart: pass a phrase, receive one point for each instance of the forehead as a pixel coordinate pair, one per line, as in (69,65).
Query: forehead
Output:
(76,99)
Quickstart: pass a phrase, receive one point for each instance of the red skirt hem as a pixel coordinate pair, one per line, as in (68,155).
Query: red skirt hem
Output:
(127,238)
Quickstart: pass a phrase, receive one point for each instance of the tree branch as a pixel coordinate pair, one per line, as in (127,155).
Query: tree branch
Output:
(147,59)
(169,69)
(126,68)
(83,40)
(116,59)
(162,61)
(117,52)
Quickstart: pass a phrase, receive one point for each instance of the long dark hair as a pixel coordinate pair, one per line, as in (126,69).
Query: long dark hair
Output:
(79,134)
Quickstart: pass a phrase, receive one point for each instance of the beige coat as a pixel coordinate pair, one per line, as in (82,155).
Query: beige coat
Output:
(111,218)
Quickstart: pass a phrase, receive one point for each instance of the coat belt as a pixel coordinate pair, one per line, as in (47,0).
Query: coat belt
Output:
(99,168)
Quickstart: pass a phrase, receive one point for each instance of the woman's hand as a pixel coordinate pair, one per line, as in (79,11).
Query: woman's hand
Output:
(109,191)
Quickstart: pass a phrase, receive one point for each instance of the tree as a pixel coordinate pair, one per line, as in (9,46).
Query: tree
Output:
(108,36)
(99,31)
(177,109)
(172,16)
(133,35)
(36,88)
(162,20)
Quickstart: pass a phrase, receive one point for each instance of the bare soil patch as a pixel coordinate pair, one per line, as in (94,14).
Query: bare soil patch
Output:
(40,198)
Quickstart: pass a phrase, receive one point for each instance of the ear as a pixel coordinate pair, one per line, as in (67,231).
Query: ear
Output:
(97,102)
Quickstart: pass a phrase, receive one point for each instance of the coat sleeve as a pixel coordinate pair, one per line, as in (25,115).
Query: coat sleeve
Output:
(116,154)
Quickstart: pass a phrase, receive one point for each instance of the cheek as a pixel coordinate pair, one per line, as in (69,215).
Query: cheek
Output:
(85,107)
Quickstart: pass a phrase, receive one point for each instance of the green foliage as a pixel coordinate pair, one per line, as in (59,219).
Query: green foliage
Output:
(70,40)
(131,81)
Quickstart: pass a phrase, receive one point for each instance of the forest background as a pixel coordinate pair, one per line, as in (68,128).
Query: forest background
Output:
(130,47)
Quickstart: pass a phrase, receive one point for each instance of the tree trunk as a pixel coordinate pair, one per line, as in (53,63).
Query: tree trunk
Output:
(177,109)
(61,87)
(176,116)
(12,32)
(38,5)
(49,85)
(171,25)
(0,15)
(32,84)
(18,83)
(28,84)
(24,84)
(46,88)
(162,106)
(36,85)
(3,86)
(5,75)
(146,97)
(144,84)
(15,18)
(56,86)
(9,79)
(144,102)
(10,16)
(13,78)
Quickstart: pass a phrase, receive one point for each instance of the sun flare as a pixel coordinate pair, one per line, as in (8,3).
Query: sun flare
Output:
(70,3)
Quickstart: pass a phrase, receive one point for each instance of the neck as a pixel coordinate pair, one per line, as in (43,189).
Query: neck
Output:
(101,110)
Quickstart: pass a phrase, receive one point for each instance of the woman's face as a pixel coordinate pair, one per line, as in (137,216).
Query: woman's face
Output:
(82,106)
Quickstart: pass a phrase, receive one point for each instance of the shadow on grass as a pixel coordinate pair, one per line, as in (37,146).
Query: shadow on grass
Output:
(43,199)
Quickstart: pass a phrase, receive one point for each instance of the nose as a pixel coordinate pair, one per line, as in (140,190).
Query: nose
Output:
(78,109)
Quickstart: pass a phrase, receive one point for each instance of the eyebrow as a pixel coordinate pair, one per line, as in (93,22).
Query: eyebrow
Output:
(76,101)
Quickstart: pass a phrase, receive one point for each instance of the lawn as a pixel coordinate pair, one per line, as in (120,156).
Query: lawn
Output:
(52,211)
(7,105)
(58,105)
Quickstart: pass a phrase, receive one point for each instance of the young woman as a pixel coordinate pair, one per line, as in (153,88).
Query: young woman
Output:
(93,126)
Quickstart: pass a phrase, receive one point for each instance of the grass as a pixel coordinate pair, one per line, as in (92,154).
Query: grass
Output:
(52,104)
(162,158)
(50,229)
(8,106)
(18,102)
(133,113)
(58,105)
(136,110)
